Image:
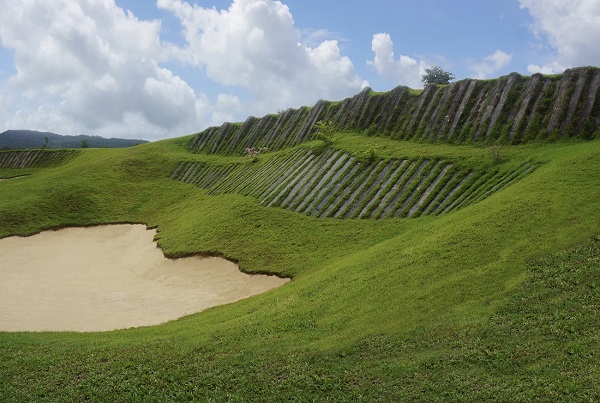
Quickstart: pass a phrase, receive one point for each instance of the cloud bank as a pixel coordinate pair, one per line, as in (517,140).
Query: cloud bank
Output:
(90,66)
(491,64)
(571,28)
(254,44)
(402,71)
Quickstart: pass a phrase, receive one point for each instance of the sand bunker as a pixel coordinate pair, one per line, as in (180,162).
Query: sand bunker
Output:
(110,277)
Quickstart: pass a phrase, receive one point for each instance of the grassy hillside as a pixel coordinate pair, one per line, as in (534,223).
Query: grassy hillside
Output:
(496,300)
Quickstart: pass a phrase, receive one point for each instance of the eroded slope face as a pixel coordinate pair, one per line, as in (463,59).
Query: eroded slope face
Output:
(335,184)
(512,110)
(35,158)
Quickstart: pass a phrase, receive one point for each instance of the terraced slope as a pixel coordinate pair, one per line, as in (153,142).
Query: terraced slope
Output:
(512,109)
(335,184)
(35,158)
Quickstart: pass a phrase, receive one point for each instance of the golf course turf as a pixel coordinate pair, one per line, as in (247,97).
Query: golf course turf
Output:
(497,299)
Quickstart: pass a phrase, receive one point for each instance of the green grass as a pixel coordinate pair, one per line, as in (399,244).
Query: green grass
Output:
(482,303)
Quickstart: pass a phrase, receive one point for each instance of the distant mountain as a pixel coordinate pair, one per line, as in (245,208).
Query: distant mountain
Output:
(19,139)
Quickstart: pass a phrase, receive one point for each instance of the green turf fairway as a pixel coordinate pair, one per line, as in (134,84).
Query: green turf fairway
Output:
(496,300)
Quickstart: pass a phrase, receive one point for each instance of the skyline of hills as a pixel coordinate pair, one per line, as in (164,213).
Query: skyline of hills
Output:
(23,139)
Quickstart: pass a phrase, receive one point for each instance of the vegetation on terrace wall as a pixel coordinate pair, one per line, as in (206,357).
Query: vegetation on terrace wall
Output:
(35,158)
(439,308)
(428,309)
(510,110)
(336,184)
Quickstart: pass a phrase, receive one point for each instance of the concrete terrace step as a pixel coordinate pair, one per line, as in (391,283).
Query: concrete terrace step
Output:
(335,184)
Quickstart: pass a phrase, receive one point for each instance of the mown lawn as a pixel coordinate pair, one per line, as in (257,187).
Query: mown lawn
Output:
(497,301)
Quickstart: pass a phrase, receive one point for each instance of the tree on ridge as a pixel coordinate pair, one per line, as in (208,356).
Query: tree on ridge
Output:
(436,75)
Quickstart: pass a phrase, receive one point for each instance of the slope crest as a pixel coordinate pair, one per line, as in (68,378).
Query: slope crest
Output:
(512,109)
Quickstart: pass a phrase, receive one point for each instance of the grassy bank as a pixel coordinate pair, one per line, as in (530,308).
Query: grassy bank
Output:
(479,303)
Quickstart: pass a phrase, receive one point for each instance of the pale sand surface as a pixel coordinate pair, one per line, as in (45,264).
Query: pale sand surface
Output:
(110,277)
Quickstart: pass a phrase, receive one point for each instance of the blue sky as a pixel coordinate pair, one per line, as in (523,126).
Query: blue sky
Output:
(166,68)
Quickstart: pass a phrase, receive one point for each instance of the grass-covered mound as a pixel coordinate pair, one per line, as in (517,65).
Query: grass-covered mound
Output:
(477,303)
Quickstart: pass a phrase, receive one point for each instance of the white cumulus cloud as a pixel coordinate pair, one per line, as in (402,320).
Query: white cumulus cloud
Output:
(88,66)
(491,64)
(402,71)
(255,45)
(572,29)
(228,109)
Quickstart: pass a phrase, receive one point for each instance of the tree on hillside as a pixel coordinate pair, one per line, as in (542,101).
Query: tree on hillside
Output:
(436,75)
(325,130)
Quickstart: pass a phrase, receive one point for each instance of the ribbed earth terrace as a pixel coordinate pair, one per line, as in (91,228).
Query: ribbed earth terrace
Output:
(510,110)
(20,159)
(335,184)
